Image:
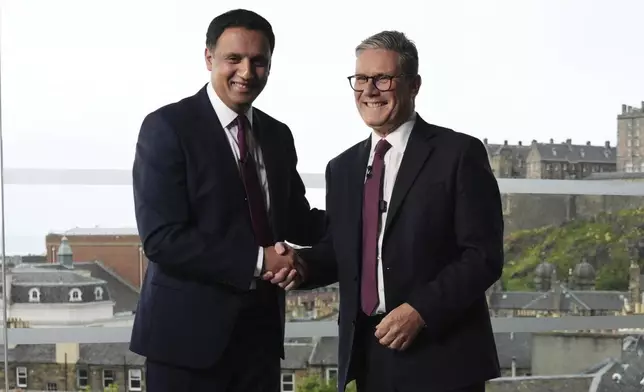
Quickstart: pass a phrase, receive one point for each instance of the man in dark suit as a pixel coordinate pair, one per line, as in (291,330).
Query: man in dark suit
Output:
(215,186)
(415,237)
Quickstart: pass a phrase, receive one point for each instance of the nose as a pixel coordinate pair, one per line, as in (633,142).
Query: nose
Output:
(370,90)
(245,69)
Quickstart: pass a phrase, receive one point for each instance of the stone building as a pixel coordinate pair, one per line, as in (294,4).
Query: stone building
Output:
(67,293)
(568,161)
(630,130)
(73,366)
(550,160)
(507,161)
(574,295)
(319,304)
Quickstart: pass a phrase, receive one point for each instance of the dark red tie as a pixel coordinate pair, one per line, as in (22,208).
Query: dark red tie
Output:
(371,228)
(254,191)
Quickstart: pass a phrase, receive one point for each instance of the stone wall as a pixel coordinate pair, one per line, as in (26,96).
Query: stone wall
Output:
(541,384)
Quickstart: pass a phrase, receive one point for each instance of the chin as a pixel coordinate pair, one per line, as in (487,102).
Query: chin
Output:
(373,122)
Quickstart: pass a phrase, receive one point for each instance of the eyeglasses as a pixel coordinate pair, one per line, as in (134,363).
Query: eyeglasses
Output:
(381,82)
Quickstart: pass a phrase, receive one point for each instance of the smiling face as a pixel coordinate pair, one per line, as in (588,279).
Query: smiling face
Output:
(239,65)
(384,111)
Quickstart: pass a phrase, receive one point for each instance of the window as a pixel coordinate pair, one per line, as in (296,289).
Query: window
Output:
(98,293)
(134,379)
(21,376)
(288,382)
(82,378)
(52,386)
(108,378)
(34,295)
(75,295)
(332,375)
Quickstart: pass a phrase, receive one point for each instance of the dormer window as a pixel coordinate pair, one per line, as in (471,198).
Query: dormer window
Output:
(75,295)
(34,295)
(98,293)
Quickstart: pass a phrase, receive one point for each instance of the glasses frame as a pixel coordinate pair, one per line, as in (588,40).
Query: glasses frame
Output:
(374,79)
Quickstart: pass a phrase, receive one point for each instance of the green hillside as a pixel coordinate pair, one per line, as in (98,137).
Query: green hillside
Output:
(605,236)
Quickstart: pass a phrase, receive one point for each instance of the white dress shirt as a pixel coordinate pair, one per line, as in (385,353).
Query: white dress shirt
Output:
(227,118)
(392,160)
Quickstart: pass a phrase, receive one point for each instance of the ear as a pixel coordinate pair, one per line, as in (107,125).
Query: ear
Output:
(415,85)
(209,58)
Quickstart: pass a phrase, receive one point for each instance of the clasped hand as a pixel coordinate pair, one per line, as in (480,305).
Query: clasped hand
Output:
(282,266)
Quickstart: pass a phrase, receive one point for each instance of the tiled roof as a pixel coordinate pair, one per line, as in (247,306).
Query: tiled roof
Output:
(296,355)
(98,231)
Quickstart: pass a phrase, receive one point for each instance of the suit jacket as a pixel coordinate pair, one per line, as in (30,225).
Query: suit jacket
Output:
(196,231)
(442,248)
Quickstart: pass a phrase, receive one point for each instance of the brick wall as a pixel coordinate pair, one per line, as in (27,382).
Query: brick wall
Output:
(120,253)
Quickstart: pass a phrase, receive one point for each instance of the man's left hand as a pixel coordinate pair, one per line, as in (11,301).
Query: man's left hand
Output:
(399,328)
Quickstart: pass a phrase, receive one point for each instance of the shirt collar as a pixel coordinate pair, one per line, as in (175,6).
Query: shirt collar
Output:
(398,138)
(225,114)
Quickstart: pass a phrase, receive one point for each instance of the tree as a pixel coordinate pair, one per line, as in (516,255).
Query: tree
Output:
(315,383)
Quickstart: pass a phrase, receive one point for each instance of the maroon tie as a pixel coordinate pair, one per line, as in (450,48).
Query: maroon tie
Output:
(254,192)
(370,229)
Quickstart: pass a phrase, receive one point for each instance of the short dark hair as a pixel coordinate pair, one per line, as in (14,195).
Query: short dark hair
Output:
(239,18)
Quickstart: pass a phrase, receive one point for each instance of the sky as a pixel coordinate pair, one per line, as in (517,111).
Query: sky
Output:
(79,76)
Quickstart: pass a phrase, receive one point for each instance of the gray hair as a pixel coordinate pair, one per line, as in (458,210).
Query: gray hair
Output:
(396,42)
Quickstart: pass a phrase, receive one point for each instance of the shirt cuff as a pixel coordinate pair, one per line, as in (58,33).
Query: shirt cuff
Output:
(260,262)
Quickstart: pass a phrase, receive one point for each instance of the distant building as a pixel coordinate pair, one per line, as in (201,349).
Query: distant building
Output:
(314,305)
(630,130)
(508,161)
(68,293)
(73,367)
(574,295)
(119,249)
(550,160)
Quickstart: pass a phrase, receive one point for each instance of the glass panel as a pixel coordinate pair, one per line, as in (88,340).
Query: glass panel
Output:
(571,255)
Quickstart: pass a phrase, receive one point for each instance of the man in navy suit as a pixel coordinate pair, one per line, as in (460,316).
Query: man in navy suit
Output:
(215,186)
(415,238)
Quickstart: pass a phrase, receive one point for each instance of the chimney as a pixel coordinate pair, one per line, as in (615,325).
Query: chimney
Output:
(623,109)
(520,143)
(607,144)
(568,141)
(588,143)
(67,353)
(552,141)
(485,141)
(514,366)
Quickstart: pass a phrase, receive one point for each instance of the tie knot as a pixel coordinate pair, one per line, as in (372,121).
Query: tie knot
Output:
(242,121)
(382,147)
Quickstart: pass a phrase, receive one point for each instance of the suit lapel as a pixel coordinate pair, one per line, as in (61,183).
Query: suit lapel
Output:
(416,153)
(273,166)
(216,145)
(355,191)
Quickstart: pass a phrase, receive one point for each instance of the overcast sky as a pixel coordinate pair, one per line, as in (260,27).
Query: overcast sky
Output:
(79,76)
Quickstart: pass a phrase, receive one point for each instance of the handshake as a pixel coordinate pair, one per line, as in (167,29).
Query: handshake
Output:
(282,266)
